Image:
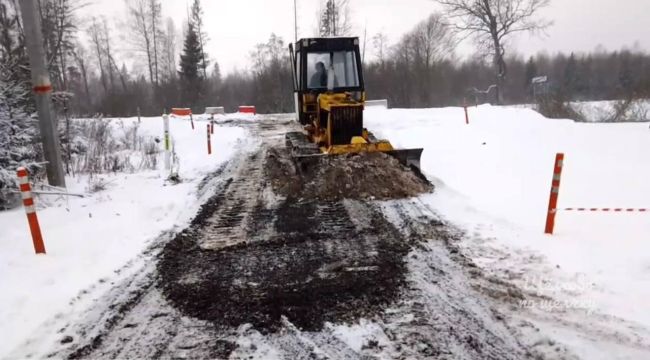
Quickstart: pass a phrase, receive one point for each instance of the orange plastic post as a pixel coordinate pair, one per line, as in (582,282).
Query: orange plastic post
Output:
(555,191)
(28,202)
(209,142)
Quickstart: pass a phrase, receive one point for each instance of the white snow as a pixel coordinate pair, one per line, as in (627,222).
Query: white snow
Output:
(87,239)
(493,180)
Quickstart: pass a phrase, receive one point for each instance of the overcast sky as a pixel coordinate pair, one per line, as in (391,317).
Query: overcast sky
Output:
(235,26)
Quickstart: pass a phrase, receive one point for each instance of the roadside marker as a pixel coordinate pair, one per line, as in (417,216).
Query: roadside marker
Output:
(167,142)
(28,202)
(466,114)
(209,142)
(555,190)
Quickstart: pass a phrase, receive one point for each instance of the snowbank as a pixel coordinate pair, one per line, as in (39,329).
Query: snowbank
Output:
(493,179)
(88,239)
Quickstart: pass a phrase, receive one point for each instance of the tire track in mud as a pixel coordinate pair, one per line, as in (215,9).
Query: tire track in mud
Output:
(257,275)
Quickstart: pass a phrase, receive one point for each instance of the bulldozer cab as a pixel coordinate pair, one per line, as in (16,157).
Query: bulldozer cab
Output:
(324,65)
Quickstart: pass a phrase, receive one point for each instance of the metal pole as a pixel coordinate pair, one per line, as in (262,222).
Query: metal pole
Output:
(295,20)
(42,89)
(365,34)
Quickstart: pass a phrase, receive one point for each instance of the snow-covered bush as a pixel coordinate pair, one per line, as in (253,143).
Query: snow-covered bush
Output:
(18,132)
(104,146)
(629,110)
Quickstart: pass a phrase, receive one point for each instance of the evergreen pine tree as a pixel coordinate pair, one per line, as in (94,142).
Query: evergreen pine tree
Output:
(18,134)
(531,72)
(570,77)
(625,77)
(191,82)
(197,20)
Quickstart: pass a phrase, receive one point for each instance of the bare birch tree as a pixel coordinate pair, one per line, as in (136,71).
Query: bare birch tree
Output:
(334,18)
(138,21)
(492,22)
(169,50)
(81,59)
(95,32)
(155,15)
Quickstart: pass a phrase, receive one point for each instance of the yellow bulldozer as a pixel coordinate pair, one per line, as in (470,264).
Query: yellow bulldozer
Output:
(329,98)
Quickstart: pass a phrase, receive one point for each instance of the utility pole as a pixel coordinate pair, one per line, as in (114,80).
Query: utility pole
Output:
(42,89)
(365,36)
(295,20)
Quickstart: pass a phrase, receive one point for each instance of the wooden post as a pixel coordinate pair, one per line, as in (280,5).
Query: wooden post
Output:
(466,114)
(192,121)
(209,142)
(28,202)
(555,191)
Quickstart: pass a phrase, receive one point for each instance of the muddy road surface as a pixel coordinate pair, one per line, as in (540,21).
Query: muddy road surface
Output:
(275,268)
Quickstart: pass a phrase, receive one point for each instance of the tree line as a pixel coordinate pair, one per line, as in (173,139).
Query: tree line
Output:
(169,67)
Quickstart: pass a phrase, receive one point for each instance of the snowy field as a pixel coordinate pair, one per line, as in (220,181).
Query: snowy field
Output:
(493,179)
(88,239)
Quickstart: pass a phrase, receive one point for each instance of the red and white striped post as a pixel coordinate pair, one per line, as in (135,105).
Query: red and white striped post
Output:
(555,191)
(209,142)
(28,202)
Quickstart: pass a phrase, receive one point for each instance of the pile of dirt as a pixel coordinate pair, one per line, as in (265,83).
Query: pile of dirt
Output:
(361,176)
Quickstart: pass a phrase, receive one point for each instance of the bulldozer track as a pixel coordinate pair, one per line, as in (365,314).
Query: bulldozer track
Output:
(261,276)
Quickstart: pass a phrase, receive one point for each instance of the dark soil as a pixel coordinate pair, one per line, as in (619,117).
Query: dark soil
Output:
(355,176)
(319,267)
(320,260)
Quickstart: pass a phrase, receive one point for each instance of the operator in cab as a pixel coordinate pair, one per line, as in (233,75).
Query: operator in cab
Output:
(319,79)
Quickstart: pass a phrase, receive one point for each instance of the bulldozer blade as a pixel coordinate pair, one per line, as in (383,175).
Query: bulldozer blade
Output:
(409,158)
